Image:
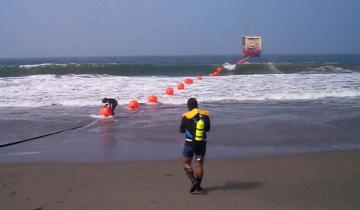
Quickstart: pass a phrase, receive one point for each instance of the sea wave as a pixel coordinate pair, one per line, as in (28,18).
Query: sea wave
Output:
(174,70)
(88,90)
(291,68)
(29,66)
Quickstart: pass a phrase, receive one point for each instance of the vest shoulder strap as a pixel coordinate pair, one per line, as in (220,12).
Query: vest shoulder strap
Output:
(191,114)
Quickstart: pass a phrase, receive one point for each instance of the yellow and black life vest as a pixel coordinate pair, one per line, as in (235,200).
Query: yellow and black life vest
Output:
(199,124)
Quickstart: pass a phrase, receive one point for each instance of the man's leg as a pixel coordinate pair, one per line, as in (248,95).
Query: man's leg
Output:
(199,163)
(189,172)
(199,171)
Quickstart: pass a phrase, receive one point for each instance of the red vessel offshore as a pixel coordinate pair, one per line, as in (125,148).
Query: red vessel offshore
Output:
(252,46)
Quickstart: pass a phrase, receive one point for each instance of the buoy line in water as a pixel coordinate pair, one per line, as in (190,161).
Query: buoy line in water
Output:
(169,91)
(133,104)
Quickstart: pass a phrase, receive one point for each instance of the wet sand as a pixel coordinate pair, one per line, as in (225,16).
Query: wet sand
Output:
(328,180)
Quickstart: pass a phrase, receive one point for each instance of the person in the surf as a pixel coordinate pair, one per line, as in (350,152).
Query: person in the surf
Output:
(194,123)
(111,104)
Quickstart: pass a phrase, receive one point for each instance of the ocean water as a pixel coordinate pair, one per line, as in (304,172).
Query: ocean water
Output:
(270,105)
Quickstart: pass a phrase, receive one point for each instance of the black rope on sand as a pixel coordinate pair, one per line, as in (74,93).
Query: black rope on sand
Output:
(38,137)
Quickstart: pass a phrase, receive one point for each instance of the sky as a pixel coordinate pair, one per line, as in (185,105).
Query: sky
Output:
(55,28)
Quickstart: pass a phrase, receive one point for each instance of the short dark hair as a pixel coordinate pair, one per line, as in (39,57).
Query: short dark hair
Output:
(192,104)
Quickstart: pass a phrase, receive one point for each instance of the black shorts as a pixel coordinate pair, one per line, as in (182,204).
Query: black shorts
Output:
(197,148)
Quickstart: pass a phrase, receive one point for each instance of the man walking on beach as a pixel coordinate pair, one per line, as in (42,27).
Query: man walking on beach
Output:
(194,123)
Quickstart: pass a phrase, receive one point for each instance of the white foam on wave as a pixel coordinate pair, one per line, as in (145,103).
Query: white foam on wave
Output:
(229,66)
(327,69)
(100,116)
(29,66)
(88,90)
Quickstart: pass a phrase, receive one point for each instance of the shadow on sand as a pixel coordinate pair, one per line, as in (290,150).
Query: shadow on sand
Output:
(235,185)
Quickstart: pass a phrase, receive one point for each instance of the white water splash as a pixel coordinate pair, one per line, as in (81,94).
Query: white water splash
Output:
(274,69)
(88,90)
(229,66)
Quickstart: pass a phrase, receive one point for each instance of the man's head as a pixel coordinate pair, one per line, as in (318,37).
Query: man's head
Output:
(192,104)
(104,100)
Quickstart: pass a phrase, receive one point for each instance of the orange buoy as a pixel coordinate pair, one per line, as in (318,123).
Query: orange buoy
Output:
(199,78)
(188,81)
(133,104)
(105,111)
(180,86)
(152,99)
(214,74)
(219,69)
(169,91)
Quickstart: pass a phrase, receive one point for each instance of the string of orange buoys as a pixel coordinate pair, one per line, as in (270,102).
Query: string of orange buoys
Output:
(152,99)
(169,91)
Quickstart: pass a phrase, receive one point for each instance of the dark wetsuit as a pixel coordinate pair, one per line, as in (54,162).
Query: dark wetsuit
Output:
(191,146)
(112,103)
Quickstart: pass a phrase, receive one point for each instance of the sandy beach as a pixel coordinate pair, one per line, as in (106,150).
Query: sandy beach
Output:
(328,180)
(279,80)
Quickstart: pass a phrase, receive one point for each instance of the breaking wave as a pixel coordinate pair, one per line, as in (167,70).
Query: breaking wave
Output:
(175,70)
(88,90)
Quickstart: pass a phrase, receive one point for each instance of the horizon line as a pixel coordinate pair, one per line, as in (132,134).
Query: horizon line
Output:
(189,55)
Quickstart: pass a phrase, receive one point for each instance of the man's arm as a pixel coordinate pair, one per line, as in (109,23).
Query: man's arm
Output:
(207,124)
(182,125)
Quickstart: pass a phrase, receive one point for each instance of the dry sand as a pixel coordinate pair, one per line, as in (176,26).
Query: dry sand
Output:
(312,181)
